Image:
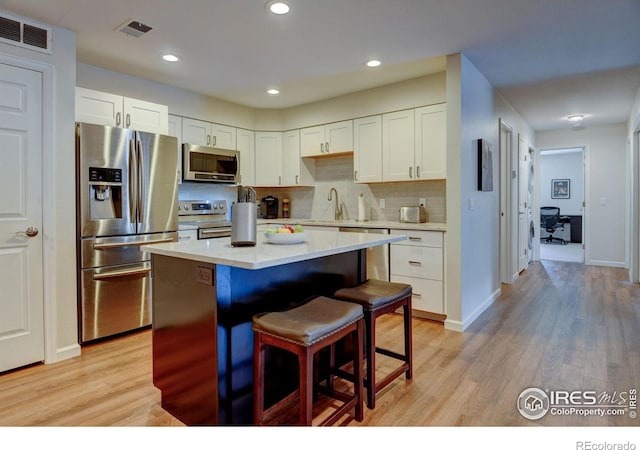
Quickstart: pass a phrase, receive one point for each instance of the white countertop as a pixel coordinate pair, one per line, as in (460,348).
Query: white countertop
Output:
(263,254)
(426,226)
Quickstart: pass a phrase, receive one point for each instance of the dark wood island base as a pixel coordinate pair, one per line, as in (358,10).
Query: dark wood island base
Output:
(202,337)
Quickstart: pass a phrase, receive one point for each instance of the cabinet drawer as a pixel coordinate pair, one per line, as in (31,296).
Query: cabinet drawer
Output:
(420,238)
(428,295)
(419,262)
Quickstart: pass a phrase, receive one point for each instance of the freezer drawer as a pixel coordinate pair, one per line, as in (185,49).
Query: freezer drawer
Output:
(115,299)
(110,251)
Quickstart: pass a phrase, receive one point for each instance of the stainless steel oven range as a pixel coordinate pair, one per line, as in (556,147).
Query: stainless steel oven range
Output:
(209,217)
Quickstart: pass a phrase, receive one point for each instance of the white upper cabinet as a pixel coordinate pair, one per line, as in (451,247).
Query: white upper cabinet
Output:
(414,144)
(175,130)
(278,162)
(431,142)
(200,132)
(268,158)
(398,146)
(291,158)
(325,140)
(246,142)
(367,149)
(104,108)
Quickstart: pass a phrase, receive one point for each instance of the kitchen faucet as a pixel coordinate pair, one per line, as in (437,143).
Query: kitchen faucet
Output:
(338,212)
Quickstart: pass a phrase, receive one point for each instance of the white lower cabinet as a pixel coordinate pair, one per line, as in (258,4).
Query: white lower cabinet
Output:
(419,261)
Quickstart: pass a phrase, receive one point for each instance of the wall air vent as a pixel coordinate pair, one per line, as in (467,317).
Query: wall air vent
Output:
(134,28)
(25,34)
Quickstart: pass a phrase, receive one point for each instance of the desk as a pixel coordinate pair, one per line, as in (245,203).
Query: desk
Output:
(570,232)
(204,294)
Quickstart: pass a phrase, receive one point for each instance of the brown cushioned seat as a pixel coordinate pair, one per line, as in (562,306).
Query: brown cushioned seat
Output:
(374,294)
(310,322)
(304,331)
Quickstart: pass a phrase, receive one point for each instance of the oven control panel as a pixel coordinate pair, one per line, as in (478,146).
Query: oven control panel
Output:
(202,207)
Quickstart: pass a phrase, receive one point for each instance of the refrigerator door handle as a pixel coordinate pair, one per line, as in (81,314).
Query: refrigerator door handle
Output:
(133,185)
(140,182)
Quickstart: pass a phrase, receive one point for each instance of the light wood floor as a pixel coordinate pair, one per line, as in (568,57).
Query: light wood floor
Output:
(559,326)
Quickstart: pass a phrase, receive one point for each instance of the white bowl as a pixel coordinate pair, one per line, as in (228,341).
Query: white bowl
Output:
(285,238)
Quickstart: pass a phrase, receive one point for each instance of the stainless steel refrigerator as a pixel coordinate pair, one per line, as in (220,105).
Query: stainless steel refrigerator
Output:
(127,194)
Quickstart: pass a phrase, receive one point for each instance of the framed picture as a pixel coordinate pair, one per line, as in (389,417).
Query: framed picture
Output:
(560,188)
(485,166)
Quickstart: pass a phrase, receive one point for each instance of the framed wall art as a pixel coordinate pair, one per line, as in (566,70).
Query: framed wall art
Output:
(561,188)
(485,166)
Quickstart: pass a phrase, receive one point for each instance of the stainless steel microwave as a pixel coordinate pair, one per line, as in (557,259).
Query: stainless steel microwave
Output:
(209,164)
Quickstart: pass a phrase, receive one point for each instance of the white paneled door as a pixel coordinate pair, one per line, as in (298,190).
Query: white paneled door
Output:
(21,259)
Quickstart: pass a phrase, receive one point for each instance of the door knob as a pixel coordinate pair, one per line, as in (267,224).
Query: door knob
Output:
(31,231)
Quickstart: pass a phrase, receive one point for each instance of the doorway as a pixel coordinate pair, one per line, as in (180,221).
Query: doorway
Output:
(21,217)
(561,190)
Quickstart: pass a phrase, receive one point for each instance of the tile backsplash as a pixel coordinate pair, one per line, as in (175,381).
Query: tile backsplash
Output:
(313,203)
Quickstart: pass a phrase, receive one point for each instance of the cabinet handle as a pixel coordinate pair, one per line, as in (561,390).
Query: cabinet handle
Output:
(297,179)
(215,139)
(208,139)
(326,147)
(128,120)
(118,119)
(322,147)
(417,171)
(415,294)
(415,263)
(410,172)
(355,175)
(413,238)
(279,179)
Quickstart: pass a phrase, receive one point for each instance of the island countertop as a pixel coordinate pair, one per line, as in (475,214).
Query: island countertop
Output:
(264,254)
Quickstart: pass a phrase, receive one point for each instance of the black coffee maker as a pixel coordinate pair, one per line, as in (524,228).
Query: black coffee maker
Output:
(269,207)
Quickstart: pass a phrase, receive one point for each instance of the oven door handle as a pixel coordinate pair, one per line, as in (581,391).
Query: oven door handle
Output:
(121,273)
(216,232)
(129,244)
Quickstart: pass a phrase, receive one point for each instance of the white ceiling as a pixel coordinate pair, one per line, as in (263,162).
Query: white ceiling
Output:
(549,58)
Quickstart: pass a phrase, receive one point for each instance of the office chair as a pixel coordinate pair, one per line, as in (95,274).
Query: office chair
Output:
(550,221)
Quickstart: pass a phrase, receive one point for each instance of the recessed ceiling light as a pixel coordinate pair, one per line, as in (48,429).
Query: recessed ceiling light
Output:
(373,63)
(273,91)
(575,118)
(278,7)
(170,58)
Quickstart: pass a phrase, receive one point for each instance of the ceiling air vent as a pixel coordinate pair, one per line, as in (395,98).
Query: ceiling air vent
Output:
(24,34)
(134,28)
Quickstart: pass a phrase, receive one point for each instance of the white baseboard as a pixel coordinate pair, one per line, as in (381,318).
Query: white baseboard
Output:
(68,352)
(456,325)
(453,325)
(595,262)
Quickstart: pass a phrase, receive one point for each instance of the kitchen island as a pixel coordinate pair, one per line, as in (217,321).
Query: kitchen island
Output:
(204,294)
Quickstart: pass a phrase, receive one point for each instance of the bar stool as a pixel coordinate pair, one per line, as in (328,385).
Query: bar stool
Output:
(304,331)
(377,298)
